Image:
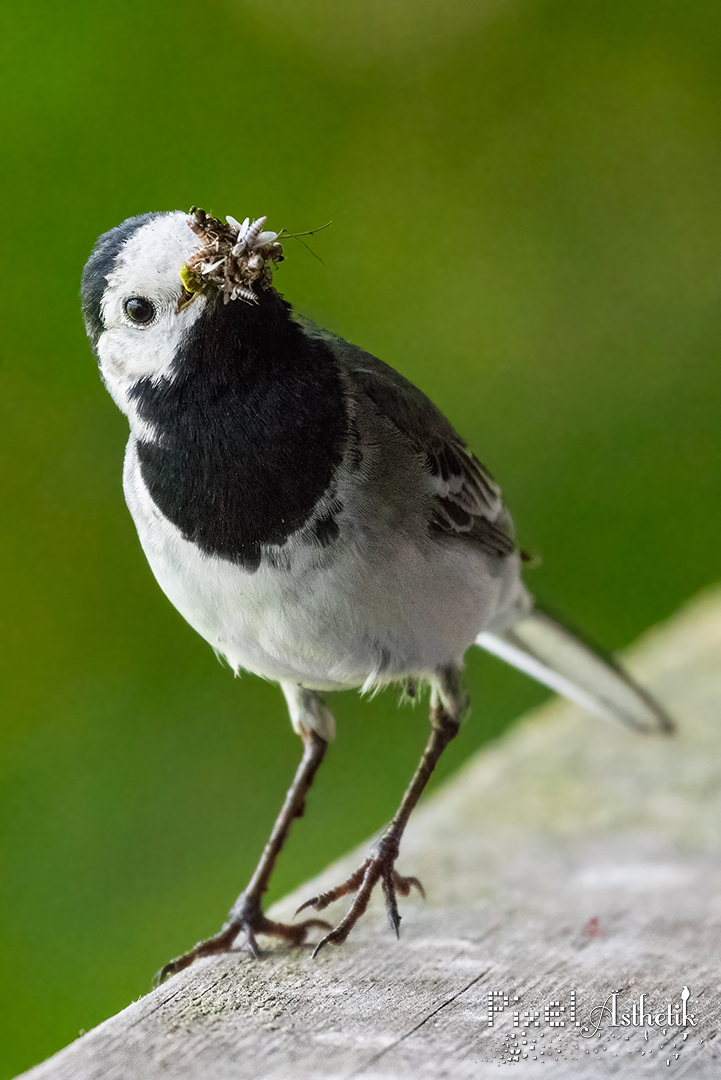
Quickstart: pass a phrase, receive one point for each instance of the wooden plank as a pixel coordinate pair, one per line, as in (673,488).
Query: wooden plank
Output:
(571,856)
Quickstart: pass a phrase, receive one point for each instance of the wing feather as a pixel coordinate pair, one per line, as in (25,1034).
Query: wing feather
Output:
(467,501)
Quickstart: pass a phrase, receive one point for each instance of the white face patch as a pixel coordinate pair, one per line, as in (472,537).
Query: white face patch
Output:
(148,266)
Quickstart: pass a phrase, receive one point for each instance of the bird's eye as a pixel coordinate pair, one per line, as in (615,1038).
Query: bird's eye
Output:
(139,309)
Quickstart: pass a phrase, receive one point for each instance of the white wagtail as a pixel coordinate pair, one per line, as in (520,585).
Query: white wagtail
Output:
(312,515)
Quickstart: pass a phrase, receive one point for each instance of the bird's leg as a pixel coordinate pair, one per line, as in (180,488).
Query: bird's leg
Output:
(246,915)
(448,703)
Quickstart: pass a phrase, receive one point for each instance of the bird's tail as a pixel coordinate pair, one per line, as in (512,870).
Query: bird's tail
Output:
(556,657)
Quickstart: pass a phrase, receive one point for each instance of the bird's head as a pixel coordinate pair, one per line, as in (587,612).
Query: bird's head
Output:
(151,279)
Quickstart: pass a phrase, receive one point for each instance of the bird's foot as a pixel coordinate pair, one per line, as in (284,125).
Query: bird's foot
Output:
(246,917)
(379,867)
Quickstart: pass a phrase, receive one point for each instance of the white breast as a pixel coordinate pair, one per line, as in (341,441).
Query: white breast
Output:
(377,607)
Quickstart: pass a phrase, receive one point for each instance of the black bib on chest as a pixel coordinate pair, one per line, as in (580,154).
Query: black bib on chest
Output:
(250,428)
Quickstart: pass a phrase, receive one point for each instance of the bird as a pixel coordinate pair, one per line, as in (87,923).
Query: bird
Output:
(314,517)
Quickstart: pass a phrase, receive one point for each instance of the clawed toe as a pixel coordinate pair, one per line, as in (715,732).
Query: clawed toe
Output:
(353,883)
(377,868)
(220,942)
(224,940)
(403,885)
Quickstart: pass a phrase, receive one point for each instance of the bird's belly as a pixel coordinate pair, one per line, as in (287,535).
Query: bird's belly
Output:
(328,620)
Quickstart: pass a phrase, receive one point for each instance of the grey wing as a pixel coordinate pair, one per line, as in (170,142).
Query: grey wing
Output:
(467,501)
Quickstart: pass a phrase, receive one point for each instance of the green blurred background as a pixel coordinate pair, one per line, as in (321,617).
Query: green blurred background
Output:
(526,221)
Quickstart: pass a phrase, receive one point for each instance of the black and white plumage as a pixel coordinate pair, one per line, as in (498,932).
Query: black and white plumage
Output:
(307,509)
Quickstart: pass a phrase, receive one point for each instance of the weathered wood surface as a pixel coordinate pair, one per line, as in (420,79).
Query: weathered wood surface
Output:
(571,855)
